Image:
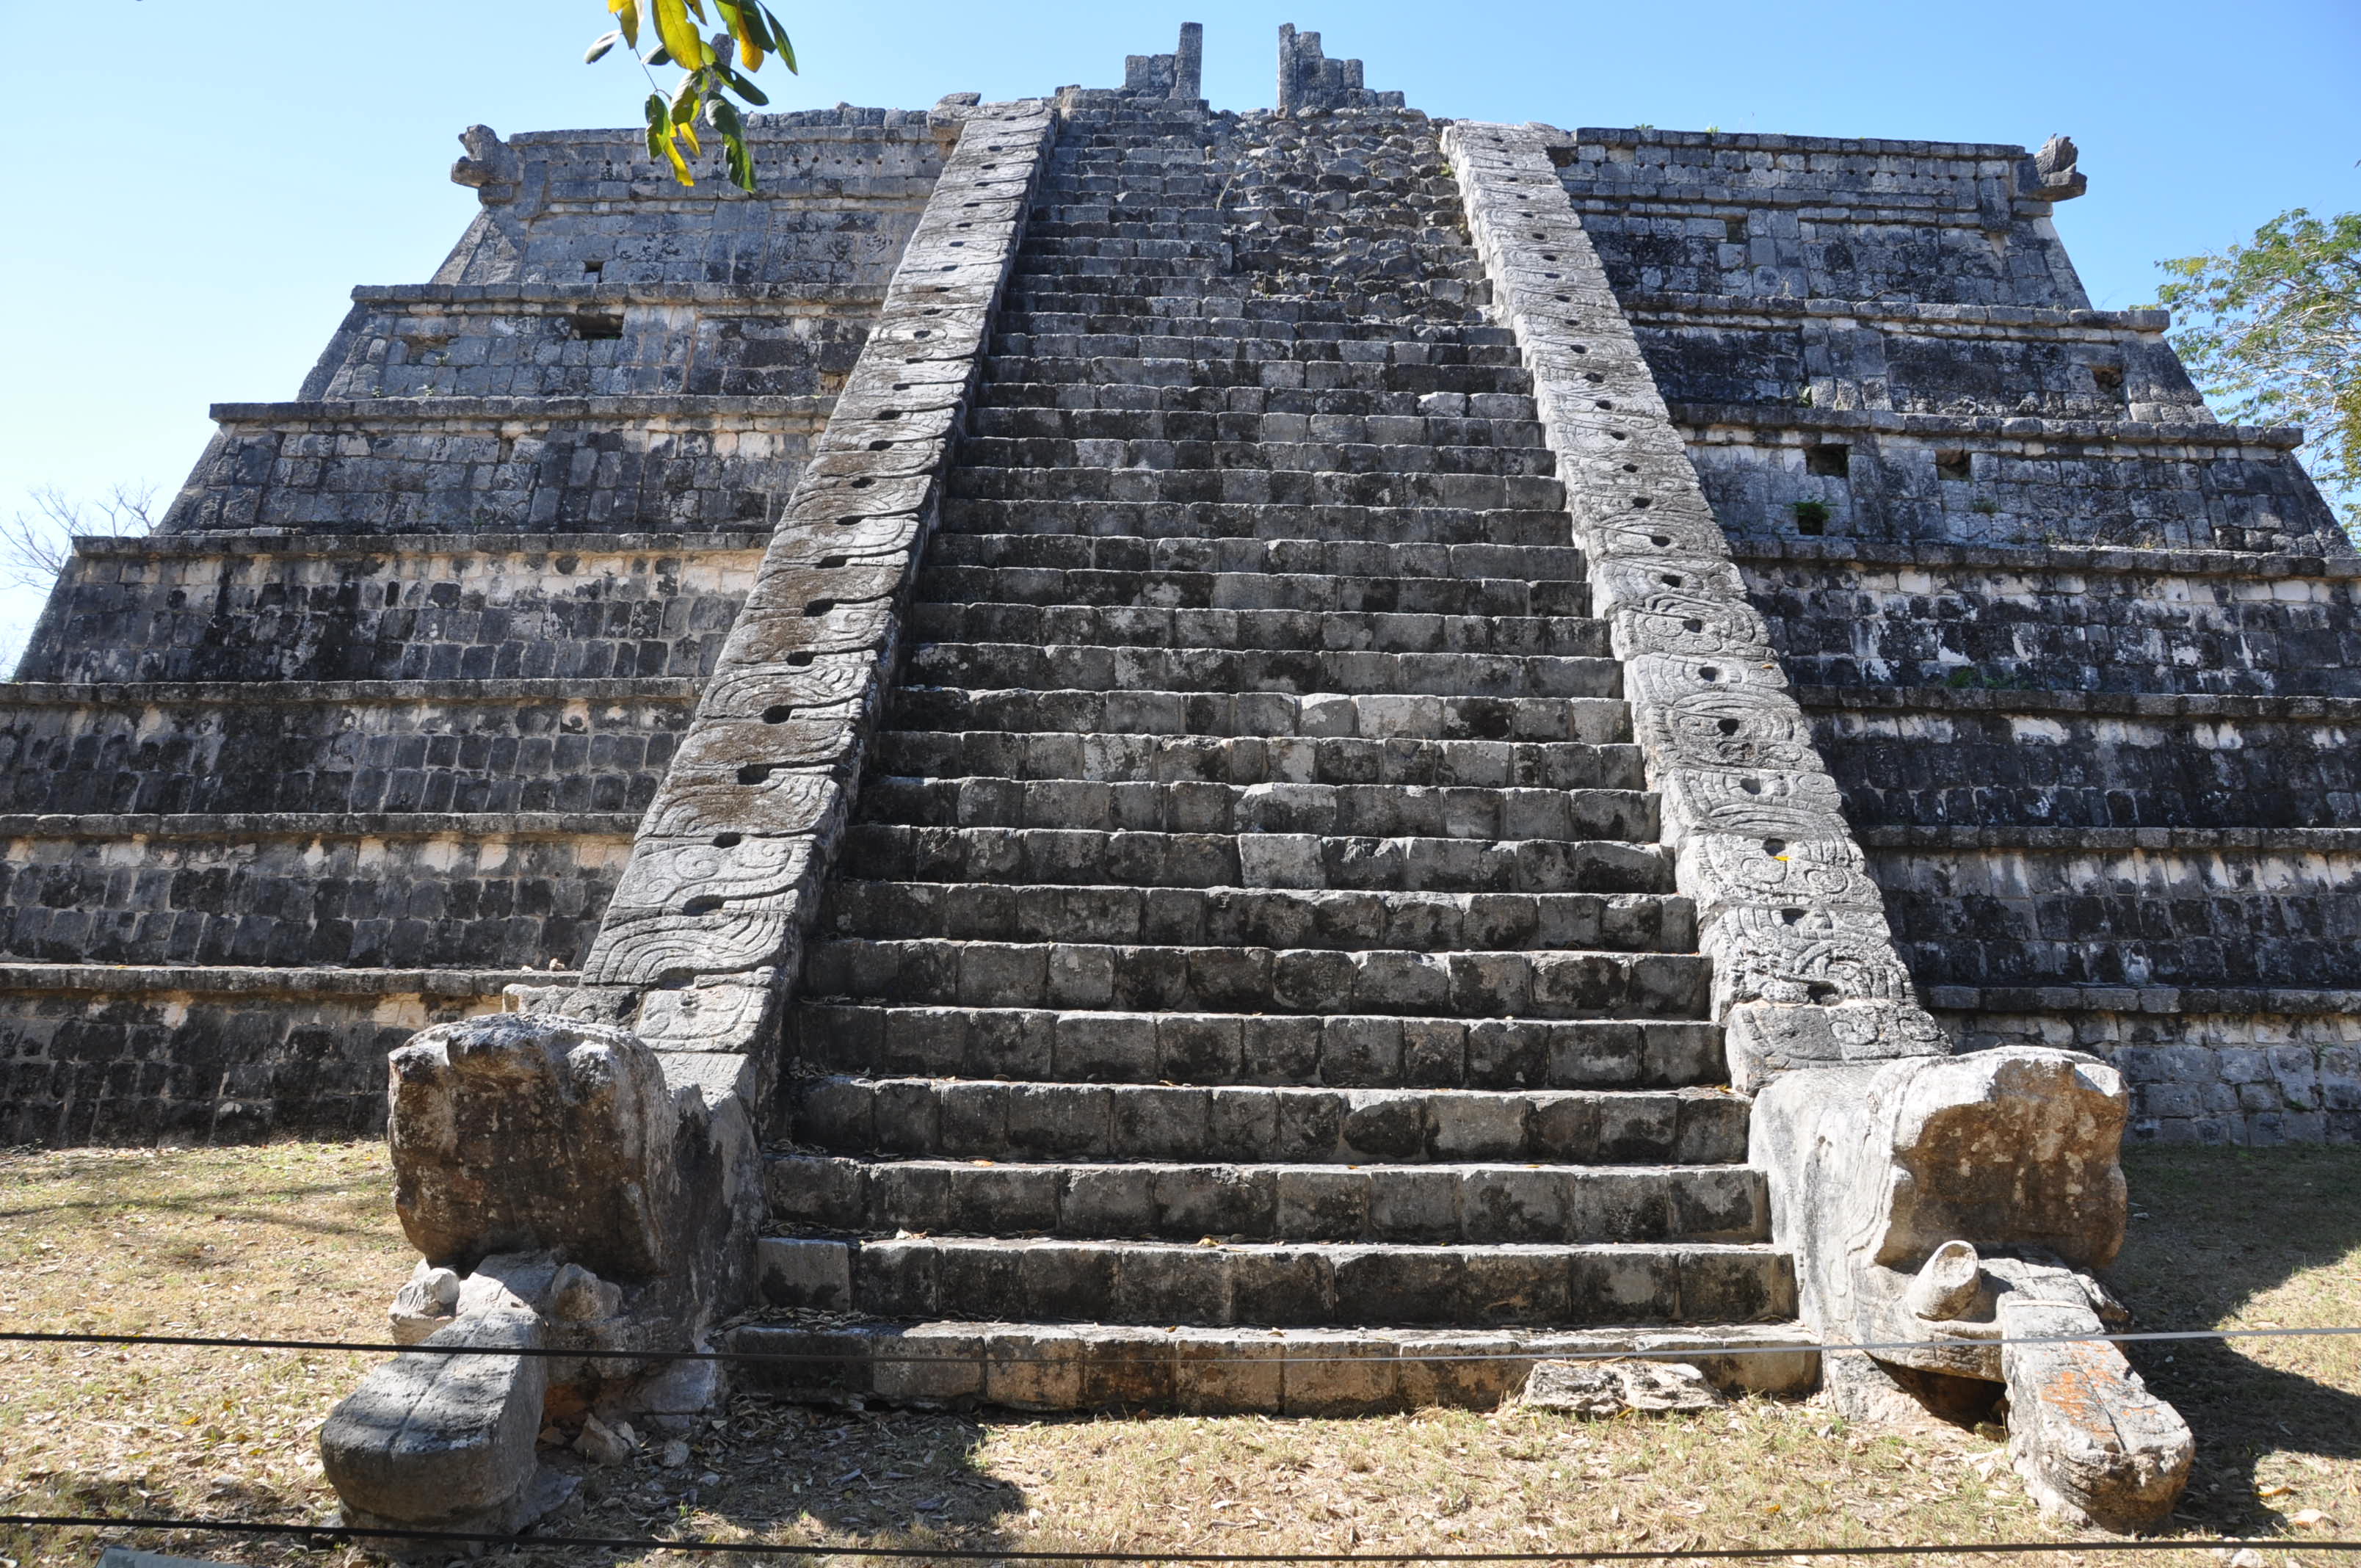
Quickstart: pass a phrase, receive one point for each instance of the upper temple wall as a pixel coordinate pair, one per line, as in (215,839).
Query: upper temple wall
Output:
(1814,217)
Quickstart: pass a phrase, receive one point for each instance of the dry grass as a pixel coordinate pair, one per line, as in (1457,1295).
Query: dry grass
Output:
(296,1240)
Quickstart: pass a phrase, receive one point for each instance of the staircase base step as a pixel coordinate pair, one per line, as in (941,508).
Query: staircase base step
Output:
(1220,1371)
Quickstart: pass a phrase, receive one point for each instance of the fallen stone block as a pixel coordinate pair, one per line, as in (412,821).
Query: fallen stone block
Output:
(1602,1388)
(445,1443)
(2092,1444)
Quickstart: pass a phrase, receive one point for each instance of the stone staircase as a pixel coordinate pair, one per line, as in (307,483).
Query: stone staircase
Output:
(1254,950)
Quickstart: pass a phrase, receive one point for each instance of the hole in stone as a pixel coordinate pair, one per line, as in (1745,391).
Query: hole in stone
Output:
(1693,624)
(829,562)
(1811,518)
(846,521)
(1733,230)
(889,413)
(1791,916)
(778,713)
(703,903)
(2110,378)
(727,840)
(1727,726)
(1773,846)
(801,657)
(1751,786)
(1660,540)
(1822,994)
(820,606)
(879,446)
(1829,462)
(1952,465)
(863,483)
(1638,503)
(1630,467)
(596,326)
(1670,579)
(1710,672)
(592,268)
(1595,377)
(753,772)
(1605,404)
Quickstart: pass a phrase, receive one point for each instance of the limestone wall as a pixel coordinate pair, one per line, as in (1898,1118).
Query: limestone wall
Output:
(2064,617)
(1818,217)
(330,608)
(381,703)
(339,746)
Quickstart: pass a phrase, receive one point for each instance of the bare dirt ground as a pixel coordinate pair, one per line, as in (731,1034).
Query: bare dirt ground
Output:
(296,1241)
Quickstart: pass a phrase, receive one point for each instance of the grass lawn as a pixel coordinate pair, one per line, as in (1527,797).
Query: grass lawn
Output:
(297,1241)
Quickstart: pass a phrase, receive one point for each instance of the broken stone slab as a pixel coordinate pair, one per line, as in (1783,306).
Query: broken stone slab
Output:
(445,1443)
(2092,1444)
(1938,1207)
(519,1132)
(1599,1389)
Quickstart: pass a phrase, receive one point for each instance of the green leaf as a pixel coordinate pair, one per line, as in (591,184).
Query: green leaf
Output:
(684,101)
(723,115)
(747,90)
(663,56)
(659,123)
(787,51)
(600,46)
(741,165)
(627,17)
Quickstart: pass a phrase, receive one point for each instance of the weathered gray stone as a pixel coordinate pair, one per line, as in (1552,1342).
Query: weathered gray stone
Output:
(442,1441)
(1601,1390)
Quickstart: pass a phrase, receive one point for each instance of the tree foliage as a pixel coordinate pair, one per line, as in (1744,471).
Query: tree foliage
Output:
(2272,332)
(714,67)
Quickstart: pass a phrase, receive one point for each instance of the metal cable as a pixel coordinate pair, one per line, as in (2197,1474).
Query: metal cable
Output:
(1287,1355)
(1018,1554)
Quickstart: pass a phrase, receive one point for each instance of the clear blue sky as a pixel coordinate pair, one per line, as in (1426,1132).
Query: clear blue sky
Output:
(222,174)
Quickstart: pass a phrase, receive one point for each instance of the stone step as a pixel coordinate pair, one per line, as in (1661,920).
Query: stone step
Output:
(1370,716)
(1094,544)
(1495,372)
(1106,326)
(1347,401)
(1253,352)
(1337,1051)
(1328,811)
(1145,977)
(1233,537)
(1257,485)
(1139,626)
(1270,917)
(945,580)
(1564,764)
(1229,1371)
(1277,458)
(1308,1284)
(990,667)
(1475,1203)
(1231,433)
(967,1119)
(890,852)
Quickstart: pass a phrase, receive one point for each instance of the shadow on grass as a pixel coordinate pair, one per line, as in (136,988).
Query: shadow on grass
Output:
(791,1474)
(2213,1230)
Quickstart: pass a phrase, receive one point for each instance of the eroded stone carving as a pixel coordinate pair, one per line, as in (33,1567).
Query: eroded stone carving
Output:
(1944,1199)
